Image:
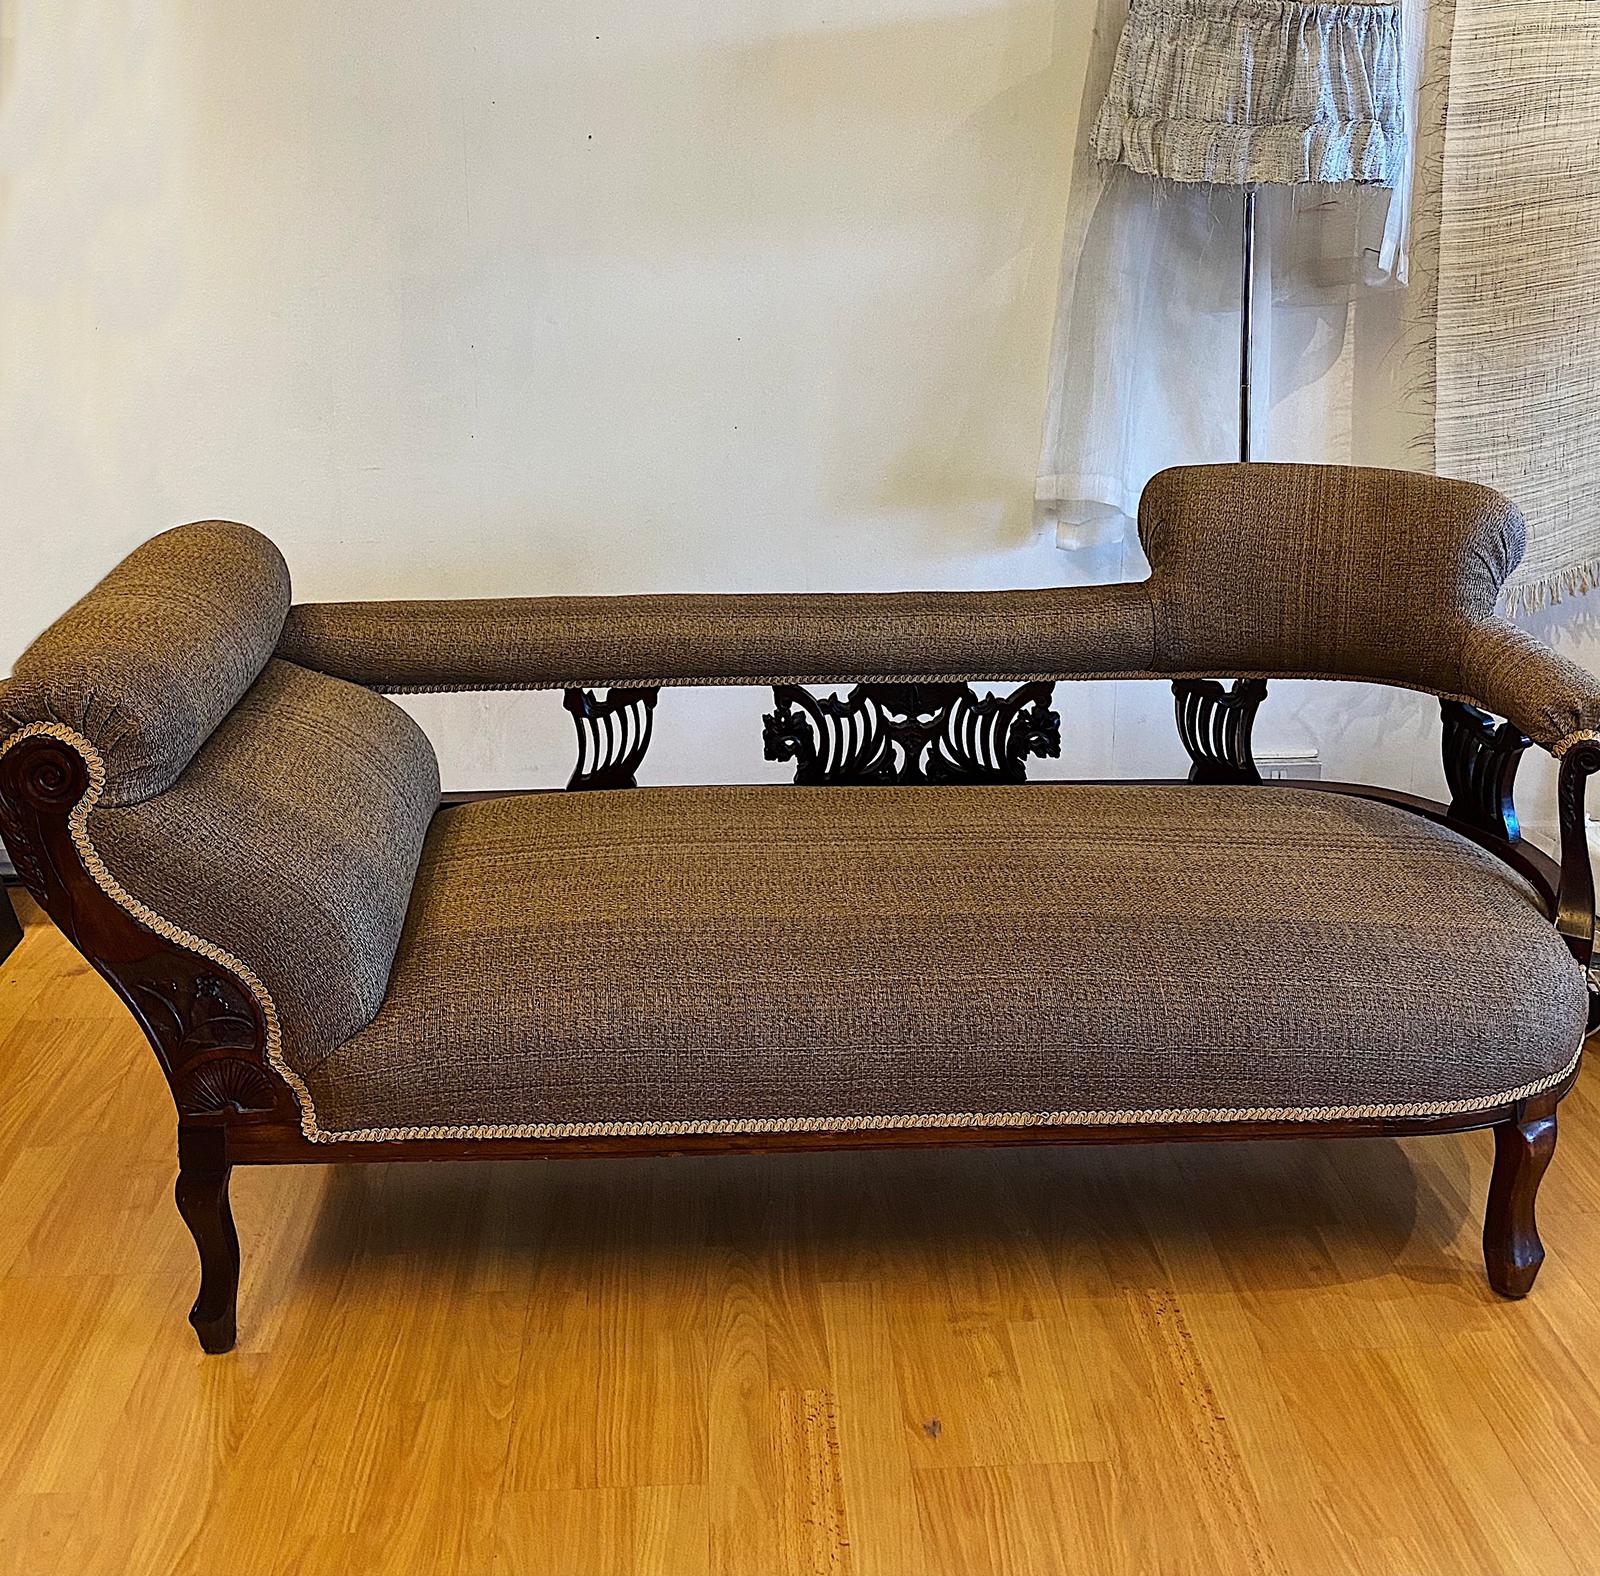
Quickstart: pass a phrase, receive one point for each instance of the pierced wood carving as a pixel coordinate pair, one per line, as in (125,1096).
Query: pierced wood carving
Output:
(613,735)
(911,733)
(1214,723)
(1480,765)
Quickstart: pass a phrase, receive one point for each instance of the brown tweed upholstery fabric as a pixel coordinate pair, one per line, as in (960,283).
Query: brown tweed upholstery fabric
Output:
(292,842)
(549,642)
(1304,570)
(153,658)
(760,953)
(1323,569)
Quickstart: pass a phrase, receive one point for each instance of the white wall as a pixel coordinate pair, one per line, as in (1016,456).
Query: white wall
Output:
(580,296)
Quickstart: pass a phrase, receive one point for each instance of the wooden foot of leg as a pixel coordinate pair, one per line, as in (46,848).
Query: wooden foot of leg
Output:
(203,1203)
(1522,1150)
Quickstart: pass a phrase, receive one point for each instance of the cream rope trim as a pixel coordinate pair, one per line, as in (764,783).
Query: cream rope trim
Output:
(316,1133)
(78,827)
(867,1124)
(767,681)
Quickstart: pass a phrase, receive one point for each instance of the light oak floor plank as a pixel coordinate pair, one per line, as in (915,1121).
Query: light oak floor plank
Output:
(1277,1359)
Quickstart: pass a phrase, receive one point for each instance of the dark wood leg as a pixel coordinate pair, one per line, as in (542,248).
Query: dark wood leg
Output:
(203,1202)
(1522,1151)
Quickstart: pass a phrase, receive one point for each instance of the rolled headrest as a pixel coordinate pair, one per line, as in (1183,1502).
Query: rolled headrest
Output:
(150,661)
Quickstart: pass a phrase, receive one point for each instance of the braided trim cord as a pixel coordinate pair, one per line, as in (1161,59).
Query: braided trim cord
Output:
(1568,741)
(316,1133)
(998,1119)
(466,686)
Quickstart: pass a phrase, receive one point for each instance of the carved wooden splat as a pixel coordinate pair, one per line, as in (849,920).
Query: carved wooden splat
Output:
(911,733)
(613,735)
(1480,765)
(1214,723)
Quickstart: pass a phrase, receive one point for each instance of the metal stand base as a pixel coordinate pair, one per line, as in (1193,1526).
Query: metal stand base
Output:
(1247,306)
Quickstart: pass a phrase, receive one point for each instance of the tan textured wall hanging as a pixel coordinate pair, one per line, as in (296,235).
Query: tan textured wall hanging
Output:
(1518,333)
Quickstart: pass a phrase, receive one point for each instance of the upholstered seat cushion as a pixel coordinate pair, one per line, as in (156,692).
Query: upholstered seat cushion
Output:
(760,957)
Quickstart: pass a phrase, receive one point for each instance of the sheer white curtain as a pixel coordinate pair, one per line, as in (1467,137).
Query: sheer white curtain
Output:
(1144,364)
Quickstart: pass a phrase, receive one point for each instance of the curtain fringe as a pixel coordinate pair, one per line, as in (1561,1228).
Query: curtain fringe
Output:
(1533,596)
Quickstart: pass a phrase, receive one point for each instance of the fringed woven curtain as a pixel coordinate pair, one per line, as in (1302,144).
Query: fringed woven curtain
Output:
(1517,350)
(1188,101)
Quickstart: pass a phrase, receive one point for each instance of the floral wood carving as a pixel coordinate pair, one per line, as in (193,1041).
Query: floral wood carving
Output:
(200,1013)
(911,733)
(206,1027)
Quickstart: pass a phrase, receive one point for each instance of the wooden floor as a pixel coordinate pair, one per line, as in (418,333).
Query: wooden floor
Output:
(1261,1358)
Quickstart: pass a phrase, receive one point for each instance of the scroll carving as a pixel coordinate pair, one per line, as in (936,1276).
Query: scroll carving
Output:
(39,778)
(204,1024)
(911,733)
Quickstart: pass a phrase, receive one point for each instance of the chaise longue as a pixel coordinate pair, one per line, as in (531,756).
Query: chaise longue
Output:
(208,791)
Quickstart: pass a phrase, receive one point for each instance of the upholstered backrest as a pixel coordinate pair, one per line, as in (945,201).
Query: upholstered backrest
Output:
(728,638)
(150,661)
(1323,569)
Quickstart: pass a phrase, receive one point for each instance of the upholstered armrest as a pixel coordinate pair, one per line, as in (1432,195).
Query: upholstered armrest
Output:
(1550,698)
(1557,704)
(818,637)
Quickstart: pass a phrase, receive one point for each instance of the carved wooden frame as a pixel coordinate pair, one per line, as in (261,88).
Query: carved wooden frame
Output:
(1481,758)
(211,1037)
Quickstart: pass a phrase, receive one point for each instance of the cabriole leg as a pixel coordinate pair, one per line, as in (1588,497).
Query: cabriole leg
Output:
(1523,1147)
(203,1202)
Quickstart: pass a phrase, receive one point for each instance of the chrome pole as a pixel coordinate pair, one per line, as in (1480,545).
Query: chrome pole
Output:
(1247,291)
